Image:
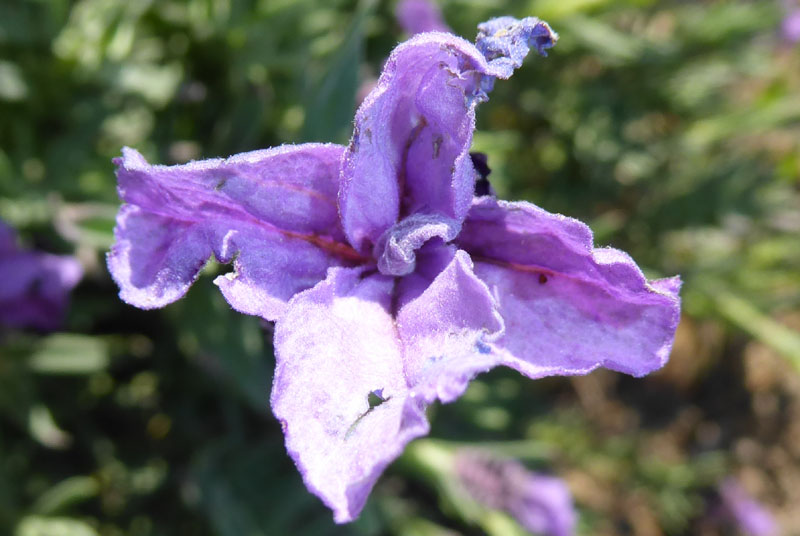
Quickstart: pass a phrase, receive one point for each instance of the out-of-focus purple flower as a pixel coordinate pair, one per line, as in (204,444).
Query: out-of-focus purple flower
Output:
(751,517)
(790,27)
(542,504)
(418,16)
(34,286)
(391,284)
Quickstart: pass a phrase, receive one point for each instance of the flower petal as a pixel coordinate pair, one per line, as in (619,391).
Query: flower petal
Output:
(270,269)
(751,517)
(790,27)
(505,41)
(336,346)
(543,504)
(275,209)
(445,331)
(409,151)
(410,147)
(540,503)
(396,248)
(155,259)
(568,308)
(35,288)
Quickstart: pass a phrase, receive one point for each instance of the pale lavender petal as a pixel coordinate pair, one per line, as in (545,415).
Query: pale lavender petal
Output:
(35,288)
(568,307)
(269,269)
(409,151)
(431,260)
(396,249)
(410,147)
(337,344)
(155,258)
(540,503)
(751,517)
(418,16)
(275,209)
(292,187)
(446,330)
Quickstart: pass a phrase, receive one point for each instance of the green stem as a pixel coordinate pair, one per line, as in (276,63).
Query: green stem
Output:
(747,317)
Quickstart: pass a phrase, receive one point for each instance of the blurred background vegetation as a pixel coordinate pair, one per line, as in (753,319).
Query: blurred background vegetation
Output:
(672,127)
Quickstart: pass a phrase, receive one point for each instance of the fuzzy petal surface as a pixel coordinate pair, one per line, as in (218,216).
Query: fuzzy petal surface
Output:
(409,151)
(446,330)
(568,307)
(335,346)
(339,345)
(272,212)
(410,147)
(505,41)
(396,249)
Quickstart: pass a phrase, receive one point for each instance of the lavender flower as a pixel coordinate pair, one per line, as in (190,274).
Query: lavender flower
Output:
(418,16)
(751,518)
(390,285)
(790,27)
(34,286)
(542,504)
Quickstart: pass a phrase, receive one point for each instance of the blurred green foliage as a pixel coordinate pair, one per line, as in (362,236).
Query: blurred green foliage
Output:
(672,127)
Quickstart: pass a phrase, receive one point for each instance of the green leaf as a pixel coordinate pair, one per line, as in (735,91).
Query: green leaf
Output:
(244,489)
(748,318)
(604,40)
(555,10)
(44,429)
(68,354)
(229,346)
(53,526)
(72,490)
(330,106)
(12,84)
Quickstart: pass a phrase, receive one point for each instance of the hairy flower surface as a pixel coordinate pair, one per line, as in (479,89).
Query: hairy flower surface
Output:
(390,283)
(34,286)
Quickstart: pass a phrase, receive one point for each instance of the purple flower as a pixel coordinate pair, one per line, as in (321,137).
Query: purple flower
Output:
(752,518)
(34,286)
(418,16)
(790,27)
(540,503)
(390,285)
